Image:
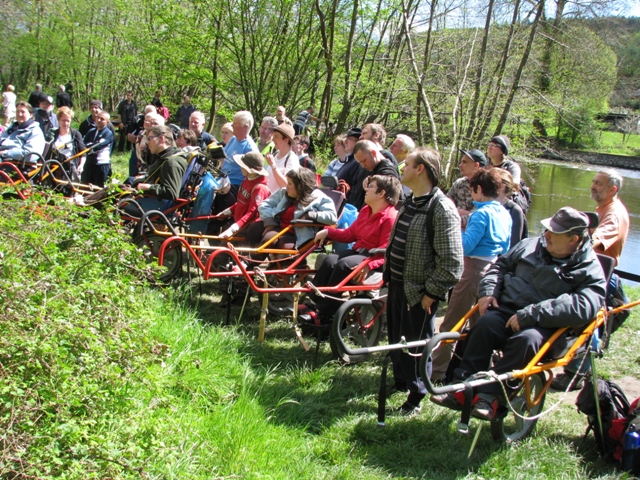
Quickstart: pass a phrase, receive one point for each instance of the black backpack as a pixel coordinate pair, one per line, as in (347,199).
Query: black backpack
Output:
(614,409)
(523,197)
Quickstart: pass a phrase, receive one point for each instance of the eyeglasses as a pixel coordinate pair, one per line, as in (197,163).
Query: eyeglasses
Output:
(151,137)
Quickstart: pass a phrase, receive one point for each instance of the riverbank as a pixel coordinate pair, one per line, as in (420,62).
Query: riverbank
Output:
(594,158)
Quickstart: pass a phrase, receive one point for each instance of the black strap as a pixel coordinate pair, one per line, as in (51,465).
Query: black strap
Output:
(382,393)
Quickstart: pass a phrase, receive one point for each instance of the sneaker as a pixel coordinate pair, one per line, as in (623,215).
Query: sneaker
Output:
(409,410)
(485,408)
(447,400)
(562,381)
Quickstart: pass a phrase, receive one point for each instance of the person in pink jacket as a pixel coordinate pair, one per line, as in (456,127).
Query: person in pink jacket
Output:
(371,230)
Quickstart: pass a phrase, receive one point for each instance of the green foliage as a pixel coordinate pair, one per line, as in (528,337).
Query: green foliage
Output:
(102,376)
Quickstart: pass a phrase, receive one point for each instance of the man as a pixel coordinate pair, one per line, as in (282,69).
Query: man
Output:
(36,96)
(376,133)
(423,261)
(608,239)
(460,191)
(63,99)
(196,125)
(281,116)
(540,285)
(183,114)
(97,167)
(402,146)
(240,144)
(498,151)
(164,178)
(96,107)
(265,140)
(127,113)
(371,162)
(303,118)
(45,116)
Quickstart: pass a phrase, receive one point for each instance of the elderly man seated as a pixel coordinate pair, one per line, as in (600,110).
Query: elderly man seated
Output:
(540,285)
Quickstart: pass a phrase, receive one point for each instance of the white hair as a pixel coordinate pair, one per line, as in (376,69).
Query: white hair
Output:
(156,116)
(407,143)
(197,114)
(245,118)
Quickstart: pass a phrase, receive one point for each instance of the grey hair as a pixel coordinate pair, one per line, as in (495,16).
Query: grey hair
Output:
(615,179)
(273,123)
(198,114)
(407,143)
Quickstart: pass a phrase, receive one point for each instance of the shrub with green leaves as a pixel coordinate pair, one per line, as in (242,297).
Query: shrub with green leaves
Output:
(72,341)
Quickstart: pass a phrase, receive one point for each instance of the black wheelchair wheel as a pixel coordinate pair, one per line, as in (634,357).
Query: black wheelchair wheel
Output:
(510,427)
(358,326)
(150,244)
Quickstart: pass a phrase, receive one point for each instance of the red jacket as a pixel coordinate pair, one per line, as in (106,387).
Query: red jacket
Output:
(250,194)
(368,231)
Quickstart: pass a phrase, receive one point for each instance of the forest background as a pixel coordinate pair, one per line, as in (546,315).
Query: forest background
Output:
(450,73)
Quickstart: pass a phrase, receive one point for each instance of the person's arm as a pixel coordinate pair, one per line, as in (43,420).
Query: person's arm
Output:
(607,233)
(258,194)
(168,188)
(475,230)
(385,233)
(268,208)
(34,143)
(322,210)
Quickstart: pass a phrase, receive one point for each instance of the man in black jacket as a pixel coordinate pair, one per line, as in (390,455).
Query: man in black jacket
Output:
(541,284)
(372,162)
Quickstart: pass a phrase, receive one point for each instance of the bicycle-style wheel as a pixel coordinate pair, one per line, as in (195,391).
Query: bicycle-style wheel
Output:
(513,428)
(358,326)
(150,244)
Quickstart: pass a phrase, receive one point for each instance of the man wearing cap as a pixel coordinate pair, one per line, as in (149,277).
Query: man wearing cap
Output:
(265,132)
(282,159)
(540,285)
(350,165)
(497,151)
(608,239)
(253,190)
(44,115)
(422,262)
(460,191)
(371,162)
(402,146)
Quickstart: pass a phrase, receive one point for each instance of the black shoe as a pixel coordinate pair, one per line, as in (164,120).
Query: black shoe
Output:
(409,410)
(447,400)
(562,381)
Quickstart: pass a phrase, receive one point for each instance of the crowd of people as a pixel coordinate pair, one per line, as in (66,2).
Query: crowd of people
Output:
(468,245)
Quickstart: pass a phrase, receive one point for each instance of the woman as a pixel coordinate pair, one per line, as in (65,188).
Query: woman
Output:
(227,133)
(484,239)
(300,199)
(67,142)
(283,159)
(336,164)
(519,226)
(9,105)
(23,137)
(371,230)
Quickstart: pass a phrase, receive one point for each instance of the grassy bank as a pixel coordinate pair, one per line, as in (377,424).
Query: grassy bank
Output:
(104,376)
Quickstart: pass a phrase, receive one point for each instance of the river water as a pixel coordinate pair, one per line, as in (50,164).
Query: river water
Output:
(558,184)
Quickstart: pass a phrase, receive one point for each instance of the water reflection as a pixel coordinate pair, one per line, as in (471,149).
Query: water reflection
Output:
(555,185)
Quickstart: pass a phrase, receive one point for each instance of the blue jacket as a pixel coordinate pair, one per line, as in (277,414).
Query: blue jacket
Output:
(488,231)
(279,201)
(20,139)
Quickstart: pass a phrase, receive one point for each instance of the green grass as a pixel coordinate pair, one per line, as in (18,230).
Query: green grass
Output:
(611,142)
(105,376)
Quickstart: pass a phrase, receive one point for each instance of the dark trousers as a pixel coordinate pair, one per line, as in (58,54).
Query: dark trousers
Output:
(490,334)
(334,269)
(96,174)
(412,323)
(124,140)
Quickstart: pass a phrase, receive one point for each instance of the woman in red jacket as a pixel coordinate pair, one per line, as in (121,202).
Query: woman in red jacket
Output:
(371,230)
